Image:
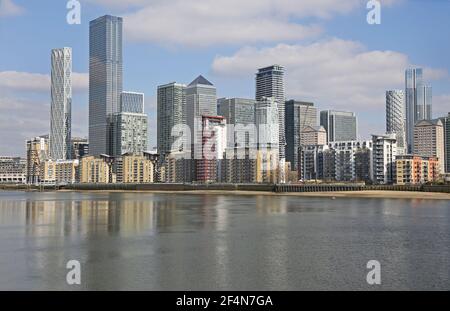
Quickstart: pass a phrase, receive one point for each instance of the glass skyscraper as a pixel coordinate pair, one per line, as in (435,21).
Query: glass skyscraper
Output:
(171,106)
(105,79)
(340,125)
(61,104)
(240,112)
(418,102)
(298,115)
(201,100)
(270,84)
(395,117)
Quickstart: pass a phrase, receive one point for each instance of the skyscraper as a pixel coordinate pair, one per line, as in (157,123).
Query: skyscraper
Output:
(270,84)
(268,165)
(418,102)
(239,112)
(340,125)
(395,117)
(61,104)
(446,122)
(171,106)
(129,127)
(201,100)
(298,115)
(105,79)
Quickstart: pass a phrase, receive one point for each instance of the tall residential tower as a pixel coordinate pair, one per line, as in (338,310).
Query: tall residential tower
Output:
(105,79)
(270,84)
(61,104)
(395,117)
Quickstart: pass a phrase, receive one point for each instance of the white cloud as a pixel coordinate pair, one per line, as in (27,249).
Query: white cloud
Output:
(200,23)
(9,8)
(334,74)
(25,81)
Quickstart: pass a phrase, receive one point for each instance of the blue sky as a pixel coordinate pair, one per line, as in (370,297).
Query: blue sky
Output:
(332,56)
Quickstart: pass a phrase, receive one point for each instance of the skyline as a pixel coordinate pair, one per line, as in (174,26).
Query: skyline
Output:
(323,69)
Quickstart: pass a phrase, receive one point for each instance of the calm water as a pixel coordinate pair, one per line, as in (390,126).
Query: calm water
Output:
(138,241)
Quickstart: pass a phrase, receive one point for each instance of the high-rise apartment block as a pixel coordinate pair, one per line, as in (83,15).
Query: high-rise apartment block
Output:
(446,123)
(128,133)
(170,115)
(429,140)
(340,125)
(395,118)
(270,84)
(298,116)
(132,102)
(61,104)
(383,159)
(105,79)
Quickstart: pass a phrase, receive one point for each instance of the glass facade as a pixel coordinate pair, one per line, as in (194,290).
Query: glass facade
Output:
(171,105)
(105,78)
(298,115)
(418,102)
(395,117)
(61,104)
(270,83)
(340,125)
(132,102)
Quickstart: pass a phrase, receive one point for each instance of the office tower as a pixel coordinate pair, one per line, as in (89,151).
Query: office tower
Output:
(213,145)
(201,100)
(170,113)
(61,104)
(340,125)
(418,102)
(298,115)
(240,113)
(446,123)
(105,79)
(383,159)
(132,102)
(270,84)
(395,117)
(37,152)
(429,140)
(412,169)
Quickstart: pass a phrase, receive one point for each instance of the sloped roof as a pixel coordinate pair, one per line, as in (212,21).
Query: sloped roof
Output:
(200,80)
